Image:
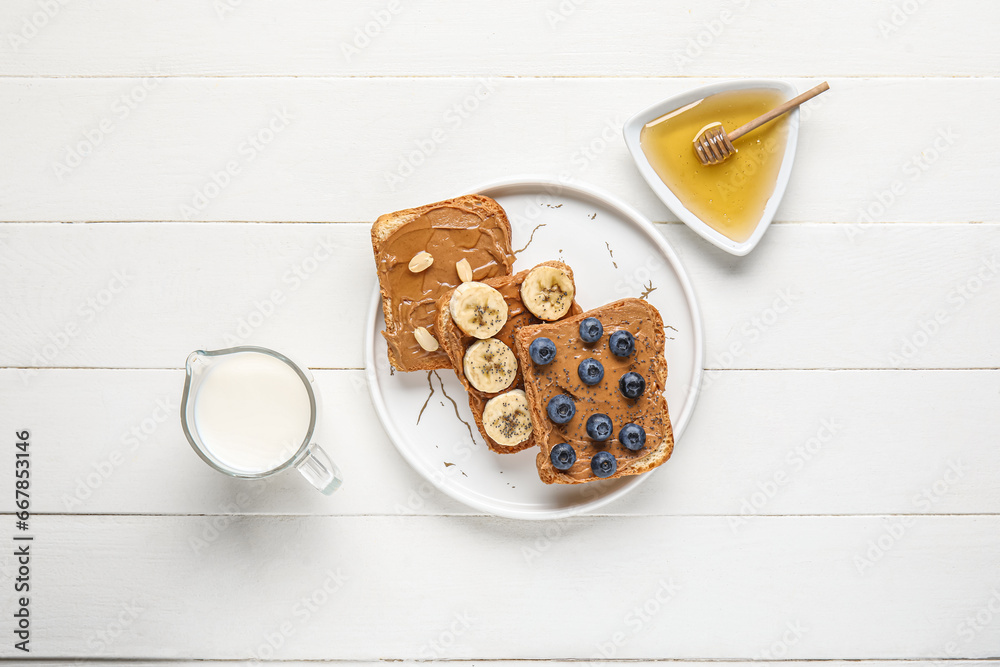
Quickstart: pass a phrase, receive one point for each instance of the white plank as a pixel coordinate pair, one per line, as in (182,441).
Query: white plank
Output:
(338,154)
(870,299)
(647,38)
(550,663)
(304,287)
(467,588)
(761,442)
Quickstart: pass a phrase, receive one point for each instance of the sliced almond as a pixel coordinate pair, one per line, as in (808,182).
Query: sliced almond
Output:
(464,270)
(426,339)
(421,261)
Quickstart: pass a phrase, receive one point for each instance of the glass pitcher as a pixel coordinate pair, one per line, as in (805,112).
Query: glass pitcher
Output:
(251,412)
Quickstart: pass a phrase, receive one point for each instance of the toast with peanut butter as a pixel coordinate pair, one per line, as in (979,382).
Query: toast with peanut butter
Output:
(594,383)
(476,326)
(419,254)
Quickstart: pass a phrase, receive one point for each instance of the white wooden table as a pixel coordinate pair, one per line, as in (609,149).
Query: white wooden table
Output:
(836,496)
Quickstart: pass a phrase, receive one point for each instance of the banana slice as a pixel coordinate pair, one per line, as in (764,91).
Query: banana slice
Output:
(507,419)
(478,309)
(547,292)
(489,365)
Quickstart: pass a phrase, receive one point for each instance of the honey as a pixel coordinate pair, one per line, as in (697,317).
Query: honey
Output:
(729,197)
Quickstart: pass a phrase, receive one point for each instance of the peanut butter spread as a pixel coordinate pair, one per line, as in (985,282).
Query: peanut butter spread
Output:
(517,316)
(449,231)
(562,377)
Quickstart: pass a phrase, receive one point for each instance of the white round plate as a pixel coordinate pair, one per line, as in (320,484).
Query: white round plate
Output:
(615,253)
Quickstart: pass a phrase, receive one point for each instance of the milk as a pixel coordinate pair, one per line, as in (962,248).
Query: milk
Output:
(251,412)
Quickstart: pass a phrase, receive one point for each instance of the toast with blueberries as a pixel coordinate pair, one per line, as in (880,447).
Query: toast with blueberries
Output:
(594,384)
(476,324)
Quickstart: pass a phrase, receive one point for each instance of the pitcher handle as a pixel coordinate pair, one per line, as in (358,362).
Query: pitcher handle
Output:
(321,472)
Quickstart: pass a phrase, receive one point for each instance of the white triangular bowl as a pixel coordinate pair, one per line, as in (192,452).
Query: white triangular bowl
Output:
(635,124)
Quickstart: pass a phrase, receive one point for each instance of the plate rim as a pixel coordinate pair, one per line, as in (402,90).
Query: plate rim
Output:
(587,191)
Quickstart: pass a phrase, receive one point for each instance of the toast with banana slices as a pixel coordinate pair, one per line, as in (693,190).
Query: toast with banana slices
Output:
(476,325)
(594,385)
(421,253)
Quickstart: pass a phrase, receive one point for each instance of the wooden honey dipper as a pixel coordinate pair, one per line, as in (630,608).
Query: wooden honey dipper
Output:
(712,145)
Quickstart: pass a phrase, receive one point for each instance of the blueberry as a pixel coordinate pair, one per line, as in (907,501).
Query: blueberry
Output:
(591,371)
(599,427)
(632,436)
(622,343)
(591,330)
(542,351)
(561,408)
(632,385)
(604,464)
(563,456)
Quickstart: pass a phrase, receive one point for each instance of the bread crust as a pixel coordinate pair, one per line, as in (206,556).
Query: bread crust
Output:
(386,225)
(536,396)
(454,341)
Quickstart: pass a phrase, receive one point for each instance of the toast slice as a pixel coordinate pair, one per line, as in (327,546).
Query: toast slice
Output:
(455,342)
(471,227)
(561,376)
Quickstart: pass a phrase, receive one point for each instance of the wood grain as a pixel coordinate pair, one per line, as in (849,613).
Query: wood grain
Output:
(810,296)
(539,663)
(834,498)
(432,588)
(521,38)
(760,442)
(290,149)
